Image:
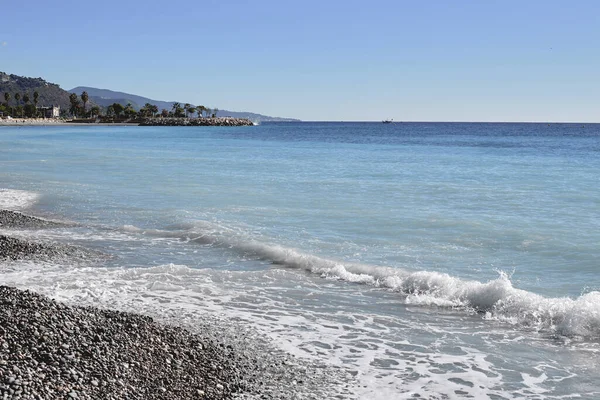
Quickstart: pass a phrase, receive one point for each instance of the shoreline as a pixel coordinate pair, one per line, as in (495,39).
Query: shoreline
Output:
(220,121)
(32,122)
(51,349)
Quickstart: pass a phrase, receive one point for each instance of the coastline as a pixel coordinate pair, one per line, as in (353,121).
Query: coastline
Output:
(32,122)
(220,121)
(49,349)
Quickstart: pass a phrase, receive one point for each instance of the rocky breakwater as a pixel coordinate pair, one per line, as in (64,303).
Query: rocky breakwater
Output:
(220,121)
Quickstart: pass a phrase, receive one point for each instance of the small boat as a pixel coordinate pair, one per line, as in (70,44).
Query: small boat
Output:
(387,121)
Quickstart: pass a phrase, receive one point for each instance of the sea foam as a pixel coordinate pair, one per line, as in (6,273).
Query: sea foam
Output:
(495,299)
(16,199)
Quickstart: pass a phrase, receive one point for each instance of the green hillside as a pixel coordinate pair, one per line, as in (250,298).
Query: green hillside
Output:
(105,97)
(49,93)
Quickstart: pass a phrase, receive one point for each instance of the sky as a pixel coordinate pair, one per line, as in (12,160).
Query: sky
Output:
(429,60)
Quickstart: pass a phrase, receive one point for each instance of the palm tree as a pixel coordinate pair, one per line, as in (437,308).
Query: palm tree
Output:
(36,98)
(28,112)
(177,110)
(150,109)
(17,98)
(186,108)
(7,99)
(129,111)
(118,108)
(84,98)
(74,103)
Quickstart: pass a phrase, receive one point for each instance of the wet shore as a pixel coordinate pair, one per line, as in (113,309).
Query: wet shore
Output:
(53,350)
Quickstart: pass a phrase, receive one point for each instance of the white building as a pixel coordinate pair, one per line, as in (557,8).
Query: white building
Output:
(50,112)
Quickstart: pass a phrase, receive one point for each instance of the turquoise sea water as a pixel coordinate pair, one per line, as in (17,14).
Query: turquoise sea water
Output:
(431,259)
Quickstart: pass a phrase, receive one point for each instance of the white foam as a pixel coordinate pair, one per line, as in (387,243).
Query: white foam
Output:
(16,199)
(364,342)
(393,358)
(497,298)
(578,317)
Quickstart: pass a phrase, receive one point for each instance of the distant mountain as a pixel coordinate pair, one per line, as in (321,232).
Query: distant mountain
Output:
(105,97)
(50,93)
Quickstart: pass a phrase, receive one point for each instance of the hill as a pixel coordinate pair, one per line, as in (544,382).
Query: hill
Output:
(105,97)
(50,93)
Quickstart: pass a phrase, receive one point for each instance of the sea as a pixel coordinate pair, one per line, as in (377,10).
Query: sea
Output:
(426,260)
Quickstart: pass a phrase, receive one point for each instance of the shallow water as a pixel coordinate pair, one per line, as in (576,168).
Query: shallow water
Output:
(444,260)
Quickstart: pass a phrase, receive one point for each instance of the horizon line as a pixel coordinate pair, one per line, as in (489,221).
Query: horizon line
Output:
(452,122)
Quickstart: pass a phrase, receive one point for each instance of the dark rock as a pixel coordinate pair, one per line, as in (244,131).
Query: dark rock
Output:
(220,121)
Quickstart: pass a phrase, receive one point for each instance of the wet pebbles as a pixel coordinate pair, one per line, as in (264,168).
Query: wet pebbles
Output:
(50,350)
(12,248)
(15,219)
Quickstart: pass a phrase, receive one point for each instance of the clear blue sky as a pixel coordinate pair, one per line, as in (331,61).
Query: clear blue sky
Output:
(432,60)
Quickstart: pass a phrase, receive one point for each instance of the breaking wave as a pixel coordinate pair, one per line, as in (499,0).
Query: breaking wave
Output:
(496,299)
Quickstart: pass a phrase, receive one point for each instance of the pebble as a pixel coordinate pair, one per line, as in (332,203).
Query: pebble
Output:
(54,350)
(220,121)
(15,219)
(19,249)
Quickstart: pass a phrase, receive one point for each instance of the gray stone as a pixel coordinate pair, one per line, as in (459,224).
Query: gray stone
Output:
(220,121)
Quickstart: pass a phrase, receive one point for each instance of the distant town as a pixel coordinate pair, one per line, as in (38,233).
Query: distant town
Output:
(31,98)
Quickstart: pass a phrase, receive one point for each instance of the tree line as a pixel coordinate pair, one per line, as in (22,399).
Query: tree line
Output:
(187,110)
(117,110)
(22,106)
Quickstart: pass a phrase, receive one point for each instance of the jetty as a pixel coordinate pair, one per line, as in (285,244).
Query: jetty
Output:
(218,121)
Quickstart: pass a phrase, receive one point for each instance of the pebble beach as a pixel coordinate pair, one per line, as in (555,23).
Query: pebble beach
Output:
(52,350)
(31,121)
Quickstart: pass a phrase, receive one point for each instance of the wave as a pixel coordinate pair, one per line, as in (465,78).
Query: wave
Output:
(496,299)
(17,199)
